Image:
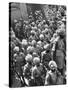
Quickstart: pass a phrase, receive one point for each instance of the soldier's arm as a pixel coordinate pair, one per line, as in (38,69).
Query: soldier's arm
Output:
(47,79)
(24,70)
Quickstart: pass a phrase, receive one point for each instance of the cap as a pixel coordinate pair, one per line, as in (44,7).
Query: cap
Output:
(36,60)
(52,63)
(16,49)
(28,58)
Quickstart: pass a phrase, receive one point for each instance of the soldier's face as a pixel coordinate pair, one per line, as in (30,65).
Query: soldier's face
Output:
(52,68)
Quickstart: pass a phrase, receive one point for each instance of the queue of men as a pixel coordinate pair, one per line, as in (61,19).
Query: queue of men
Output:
(38,51)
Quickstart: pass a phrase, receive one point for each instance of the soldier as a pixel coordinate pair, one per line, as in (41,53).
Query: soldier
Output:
(16,49)
(53,76)
(30,49)
(60,51)
(46,56)
(38,73)
(24,43)
(27,69)
(41,36)
(33,43)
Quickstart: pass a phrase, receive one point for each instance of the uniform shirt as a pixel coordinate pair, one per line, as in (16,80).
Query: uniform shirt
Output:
(19,63)
(38,71)
(27,71)
(60,54)
(51,78)
(37,75)
(46,57)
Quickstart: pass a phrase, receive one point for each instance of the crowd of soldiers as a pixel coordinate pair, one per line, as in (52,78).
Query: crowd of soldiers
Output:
(38,50)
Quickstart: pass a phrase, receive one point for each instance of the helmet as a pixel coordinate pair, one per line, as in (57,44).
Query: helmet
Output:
(33,32)
(35,54)
(39,42)
(46,26)
(16,49)
(33,42)
(30,49)
(61,32)
(36,60)
(30,17)
(15,55)
(41,37)
(15,21)
(39,25)
(46,30)
(24,42)
(46,47)
(26,22)
(26,27)
(52,64)
(44,21)
(28,58)
(34,28)
(33,23)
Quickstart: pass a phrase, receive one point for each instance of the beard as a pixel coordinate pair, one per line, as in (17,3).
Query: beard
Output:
(53,70)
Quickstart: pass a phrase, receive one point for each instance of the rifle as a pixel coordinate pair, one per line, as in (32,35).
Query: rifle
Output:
(21,77)
(54,46)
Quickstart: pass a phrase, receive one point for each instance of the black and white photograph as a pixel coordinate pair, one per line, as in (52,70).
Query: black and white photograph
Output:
(37,44)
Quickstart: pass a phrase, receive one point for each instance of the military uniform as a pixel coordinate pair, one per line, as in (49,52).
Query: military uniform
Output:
(60,56)
(27,73)
(53,76)
(38,75)
(46,58)
(27,68)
